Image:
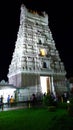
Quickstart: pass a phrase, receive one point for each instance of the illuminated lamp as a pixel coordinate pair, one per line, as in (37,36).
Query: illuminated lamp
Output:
(42,52)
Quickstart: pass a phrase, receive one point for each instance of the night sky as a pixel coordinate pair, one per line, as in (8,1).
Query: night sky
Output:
(60,22)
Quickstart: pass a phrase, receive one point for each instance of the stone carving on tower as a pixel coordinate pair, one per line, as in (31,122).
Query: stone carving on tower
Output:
(35,54)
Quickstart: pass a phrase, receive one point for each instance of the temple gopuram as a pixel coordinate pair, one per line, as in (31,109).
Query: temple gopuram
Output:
(36,66)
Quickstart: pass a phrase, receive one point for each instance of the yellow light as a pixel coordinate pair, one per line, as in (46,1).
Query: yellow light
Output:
(42,52)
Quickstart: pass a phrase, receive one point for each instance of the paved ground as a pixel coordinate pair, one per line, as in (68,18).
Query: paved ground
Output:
(12,108)
(7,108)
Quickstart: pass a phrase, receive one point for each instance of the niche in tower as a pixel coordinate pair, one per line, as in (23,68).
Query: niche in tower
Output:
(44,65)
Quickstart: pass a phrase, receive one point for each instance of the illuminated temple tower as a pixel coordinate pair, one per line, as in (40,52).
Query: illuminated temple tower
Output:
(35,62)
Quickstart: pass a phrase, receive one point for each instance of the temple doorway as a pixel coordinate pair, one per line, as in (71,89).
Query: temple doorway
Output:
(45,84)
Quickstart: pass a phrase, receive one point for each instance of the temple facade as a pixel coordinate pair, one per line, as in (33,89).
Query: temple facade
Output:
(36,64)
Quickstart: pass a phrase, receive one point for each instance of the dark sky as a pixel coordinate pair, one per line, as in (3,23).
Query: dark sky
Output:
(60,22)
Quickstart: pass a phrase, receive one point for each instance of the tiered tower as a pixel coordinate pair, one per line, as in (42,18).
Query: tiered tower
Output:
(35,55)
